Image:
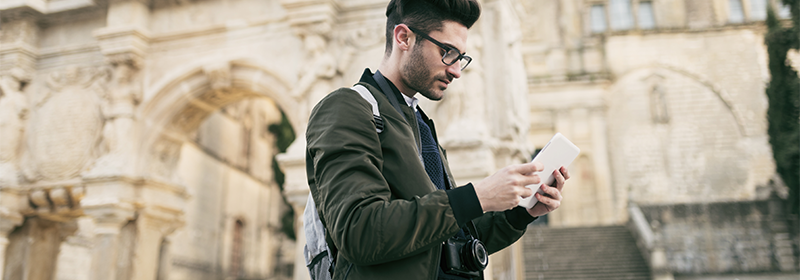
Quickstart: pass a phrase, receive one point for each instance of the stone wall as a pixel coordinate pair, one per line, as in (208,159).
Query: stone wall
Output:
(227,170)
(725,237)
(659,113)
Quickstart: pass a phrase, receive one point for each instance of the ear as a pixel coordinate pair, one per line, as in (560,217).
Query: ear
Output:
(402,37)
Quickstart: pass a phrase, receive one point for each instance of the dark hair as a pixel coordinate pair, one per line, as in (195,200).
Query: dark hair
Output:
(428,15)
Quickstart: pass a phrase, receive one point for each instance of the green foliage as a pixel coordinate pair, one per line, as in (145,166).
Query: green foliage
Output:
(284,136)
(783,94)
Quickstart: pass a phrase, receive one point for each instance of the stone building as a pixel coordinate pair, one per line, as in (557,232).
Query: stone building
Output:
(136,141)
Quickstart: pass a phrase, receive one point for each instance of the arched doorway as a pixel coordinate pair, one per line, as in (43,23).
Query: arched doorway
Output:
(208,130)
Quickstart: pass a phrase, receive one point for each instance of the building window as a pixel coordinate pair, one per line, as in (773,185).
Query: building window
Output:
(645,16)
(598,18)
(735,11)
(758,9)
(621,15)
(237,270)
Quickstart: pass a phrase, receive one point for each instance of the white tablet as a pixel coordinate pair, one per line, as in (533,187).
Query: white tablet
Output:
(558,152)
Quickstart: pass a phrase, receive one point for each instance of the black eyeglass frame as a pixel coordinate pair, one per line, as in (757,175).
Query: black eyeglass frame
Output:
(446,48)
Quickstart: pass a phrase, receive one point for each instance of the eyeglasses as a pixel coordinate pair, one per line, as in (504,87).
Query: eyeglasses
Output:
(451,54)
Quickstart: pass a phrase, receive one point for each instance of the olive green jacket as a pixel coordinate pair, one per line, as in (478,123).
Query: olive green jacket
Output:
(380,209)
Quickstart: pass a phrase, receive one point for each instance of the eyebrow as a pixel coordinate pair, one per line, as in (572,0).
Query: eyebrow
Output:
(434,40)
(446,44)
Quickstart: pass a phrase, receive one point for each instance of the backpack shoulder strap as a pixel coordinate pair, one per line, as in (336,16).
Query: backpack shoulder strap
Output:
(376,113)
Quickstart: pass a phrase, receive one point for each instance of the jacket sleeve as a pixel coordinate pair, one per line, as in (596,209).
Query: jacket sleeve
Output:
(498,230)
(353,197)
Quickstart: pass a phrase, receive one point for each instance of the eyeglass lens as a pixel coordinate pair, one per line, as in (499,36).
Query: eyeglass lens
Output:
(452,55)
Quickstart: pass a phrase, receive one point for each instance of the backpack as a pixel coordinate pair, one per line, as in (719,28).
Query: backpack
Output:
(319,257)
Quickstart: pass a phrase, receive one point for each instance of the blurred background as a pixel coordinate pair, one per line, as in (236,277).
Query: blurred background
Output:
(164,139)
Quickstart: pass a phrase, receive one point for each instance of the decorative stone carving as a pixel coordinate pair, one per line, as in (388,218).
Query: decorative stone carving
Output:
(658,99)
(120,99)
(67,124)
(219,75)
(321,66)
(164,158)
(13,114)
(60,203)
(366,37)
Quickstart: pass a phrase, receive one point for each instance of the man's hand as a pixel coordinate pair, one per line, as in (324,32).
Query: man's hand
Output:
(504,189)
(552,198)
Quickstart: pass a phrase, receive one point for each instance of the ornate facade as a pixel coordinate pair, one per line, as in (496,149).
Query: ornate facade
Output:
(134,131)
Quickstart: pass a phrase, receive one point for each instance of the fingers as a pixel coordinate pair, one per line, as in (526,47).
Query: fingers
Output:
(560,178)
(525,192)
(528,168)
(565,172)
(551,203)
(551,192)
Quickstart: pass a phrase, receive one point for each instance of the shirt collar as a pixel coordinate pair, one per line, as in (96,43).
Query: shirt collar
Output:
(411,101)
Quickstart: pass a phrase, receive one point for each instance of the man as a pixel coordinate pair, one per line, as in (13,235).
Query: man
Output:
(387,199)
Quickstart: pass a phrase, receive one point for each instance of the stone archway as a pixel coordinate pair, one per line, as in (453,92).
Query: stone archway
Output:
(179,107)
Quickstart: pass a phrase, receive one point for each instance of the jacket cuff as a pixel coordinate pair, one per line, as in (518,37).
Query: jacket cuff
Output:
(519,218)
(465,204)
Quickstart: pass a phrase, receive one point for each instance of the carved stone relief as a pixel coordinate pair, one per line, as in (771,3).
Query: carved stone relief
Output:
(658,99)
(164,154)
(322,65)
(66,124)
(120,99)
(13,114)
(57,203)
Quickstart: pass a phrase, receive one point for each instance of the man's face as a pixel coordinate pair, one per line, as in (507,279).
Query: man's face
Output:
(423,70)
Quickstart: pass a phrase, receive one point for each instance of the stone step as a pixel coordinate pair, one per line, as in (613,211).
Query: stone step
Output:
(606,252)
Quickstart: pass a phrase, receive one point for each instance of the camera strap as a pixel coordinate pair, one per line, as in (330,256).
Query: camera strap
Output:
(472,230)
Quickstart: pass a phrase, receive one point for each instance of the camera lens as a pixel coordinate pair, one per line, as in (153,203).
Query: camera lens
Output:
(475,256)
(481,255)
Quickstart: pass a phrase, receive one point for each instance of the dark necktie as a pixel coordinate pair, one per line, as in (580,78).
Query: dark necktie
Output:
(430,154)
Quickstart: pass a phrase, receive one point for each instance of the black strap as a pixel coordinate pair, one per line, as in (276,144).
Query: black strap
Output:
(472,230)
(317,258)
(387,90)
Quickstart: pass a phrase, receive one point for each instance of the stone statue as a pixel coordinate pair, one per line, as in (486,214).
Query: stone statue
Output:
(322,65)
(658,104)
(13,114)
(122,96)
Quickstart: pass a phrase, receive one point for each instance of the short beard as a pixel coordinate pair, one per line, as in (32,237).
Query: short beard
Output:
(417,75)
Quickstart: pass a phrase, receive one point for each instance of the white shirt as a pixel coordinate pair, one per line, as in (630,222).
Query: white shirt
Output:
(411,101)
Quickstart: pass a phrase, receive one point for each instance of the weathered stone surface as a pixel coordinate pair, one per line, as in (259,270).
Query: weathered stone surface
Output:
(147,122)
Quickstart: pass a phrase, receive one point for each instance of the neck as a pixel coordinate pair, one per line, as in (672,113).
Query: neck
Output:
(390,69)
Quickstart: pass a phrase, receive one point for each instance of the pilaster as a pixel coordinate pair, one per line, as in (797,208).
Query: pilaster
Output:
(295,189)
(109,215)
(18,42)
(153,225)
(124,43)
(113,202)
(8,221)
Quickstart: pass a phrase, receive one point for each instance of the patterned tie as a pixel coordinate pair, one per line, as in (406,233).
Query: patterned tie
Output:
(430,154)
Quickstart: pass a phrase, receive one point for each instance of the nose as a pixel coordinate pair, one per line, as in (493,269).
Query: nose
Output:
(455,70)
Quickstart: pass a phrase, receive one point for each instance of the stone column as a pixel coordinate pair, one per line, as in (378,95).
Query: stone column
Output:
(152,227)
(124,43)
(295,188)
(109,220)
(8,221)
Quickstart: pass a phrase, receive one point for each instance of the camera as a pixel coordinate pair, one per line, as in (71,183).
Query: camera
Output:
(464,257)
